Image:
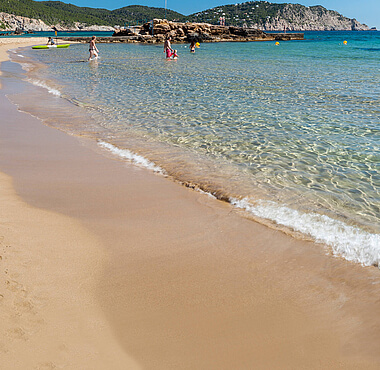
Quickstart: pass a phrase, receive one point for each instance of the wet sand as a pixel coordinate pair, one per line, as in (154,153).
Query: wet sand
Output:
(11,43)
(106,265)
(49,268)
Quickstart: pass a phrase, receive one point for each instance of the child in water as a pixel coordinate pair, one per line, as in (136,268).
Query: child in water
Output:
(175,55)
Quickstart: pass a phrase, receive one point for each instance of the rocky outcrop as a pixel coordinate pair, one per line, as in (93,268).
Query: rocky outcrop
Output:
(83,27)
(160,29)
(295,17)
(97,28)
(15,23)
(12,22)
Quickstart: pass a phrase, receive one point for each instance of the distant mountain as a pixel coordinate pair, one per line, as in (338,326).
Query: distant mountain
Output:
(257,14)
(273,17)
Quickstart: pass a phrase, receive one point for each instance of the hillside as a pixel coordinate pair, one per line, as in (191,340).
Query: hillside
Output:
(272,17)
(57,12)
(257,14)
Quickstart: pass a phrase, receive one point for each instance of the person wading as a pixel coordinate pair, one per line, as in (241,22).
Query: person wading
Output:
(93,49)
(168,48)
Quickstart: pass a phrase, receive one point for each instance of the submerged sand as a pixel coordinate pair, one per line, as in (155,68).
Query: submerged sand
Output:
(109,266)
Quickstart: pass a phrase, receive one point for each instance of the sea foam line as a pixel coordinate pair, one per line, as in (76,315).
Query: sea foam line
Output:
(347,241)
(42,84)
(134,158)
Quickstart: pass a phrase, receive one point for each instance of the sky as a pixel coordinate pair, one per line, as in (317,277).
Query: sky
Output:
(365,11)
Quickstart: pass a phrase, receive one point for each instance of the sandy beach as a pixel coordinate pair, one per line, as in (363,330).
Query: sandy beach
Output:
(107,266)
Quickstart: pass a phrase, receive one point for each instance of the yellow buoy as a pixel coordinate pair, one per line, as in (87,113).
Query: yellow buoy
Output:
(345,42)
(197,44)
(277,43)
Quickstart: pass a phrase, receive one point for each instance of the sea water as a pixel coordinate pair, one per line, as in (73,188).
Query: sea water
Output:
(288,133)
(59,34)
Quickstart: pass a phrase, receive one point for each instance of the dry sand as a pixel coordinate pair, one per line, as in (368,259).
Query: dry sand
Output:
(108,266)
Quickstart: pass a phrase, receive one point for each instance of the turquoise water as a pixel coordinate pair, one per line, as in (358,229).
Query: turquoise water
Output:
(289,133)
(60,34)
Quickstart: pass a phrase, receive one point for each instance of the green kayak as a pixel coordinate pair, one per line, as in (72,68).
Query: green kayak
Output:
(50,46)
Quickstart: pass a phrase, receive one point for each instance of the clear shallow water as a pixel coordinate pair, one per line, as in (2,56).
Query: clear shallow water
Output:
(288,133)
(60,34)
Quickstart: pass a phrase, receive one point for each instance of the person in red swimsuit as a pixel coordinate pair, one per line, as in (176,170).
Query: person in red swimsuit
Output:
(168,48)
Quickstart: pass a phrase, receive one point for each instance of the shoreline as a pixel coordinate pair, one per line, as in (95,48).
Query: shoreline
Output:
(347,232)
(185,282)
(47,292)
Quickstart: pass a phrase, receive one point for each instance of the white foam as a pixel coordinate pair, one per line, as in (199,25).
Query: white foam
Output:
(19,55)
(206,193)
(350,242)
(26,66)
(42,84)
(134,158)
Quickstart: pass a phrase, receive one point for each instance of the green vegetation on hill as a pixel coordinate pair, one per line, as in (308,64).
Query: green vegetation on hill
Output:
(50,12)
(53,12)
(246,14)
(257,12)
(138,13)
(237,14)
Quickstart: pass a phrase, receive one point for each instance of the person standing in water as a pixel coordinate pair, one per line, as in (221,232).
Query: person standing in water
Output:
(192,46)
(93,49)
(168,48)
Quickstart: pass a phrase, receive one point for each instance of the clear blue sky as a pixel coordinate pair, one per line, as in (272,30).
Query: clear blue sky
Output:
(365,11)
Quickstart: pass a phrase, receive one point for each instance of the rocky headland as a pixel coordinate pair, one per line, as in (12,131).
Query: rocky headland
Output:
(158,30)
(267,16)
(295,17)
